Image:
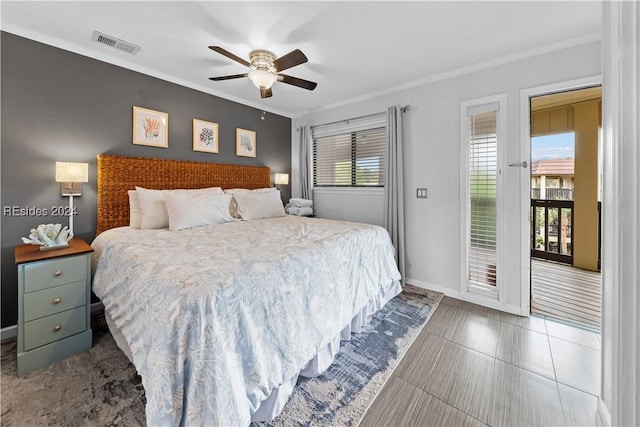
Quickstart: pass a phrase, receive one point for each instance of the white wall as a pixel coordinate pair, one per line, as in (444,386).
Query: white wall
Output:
(359,205)
(432,157)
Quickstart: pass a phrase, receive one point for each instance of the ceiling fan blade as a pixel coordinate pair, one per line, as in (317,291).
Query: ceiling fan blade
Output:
(229,55)
(235,76)
(291,59)
(266,93)
(296,81)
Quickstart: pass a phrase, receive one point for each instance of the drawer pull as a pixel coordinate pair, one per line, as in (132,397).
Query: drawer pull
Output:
(57,273)
(57,328)
(56,300)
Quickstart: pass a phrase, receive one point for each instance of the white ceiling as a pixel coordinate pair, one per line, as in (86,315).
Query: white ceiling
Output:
(355,49)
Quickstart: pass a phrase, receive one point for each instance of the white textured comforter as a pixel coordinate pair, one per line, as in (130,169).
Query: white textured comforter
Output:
(217,317)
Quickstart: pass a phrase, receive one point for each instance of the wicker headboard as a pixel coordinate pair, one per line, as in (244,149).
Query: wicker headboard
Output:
(117,174)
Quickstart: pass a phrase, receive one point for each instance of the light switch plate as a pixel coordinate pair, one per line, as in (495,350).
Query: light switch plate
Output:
(421,193)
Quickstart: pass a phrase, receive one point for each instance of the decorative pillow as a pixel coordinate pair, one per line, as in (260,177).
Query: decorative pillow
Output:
(196,210)
(154,207)
(135,214)
(257,205)
(234,205)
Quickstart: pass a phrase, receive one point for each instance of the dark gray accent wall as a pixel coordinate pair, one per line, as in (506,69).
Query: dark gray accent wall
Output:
(61,106)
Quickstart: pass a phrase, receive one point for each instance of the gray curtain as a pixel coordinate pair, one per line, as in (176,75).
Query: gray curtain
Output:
(394,186)
(304,162)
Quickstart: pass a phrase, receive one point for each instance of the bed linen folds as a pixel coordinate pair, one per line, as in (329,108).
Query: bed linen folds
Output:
(218,317)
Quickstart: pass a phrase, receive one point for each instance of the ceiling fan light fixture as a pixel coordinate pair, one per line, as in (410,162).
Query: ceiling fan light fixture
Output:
(264,68)
(262,79)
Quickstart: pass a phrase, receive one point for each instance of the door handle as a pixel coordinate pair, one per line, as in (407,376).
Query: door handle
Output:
(519,165)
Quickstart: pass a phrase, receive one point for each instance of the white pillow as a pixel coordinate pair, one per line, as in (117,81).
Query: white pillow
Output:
(245,190)
(257,205)
(196,210)
(154,207)
(234,205)
(135,213)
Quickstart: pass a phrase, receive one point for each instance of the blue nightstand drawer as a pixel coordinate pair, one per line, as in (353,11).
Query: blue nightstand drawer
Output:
(56,272)
(52,328)
(54,300)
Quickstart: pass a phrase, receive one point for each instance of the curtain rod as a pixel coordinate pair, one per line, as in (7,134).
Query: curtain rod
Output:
(349,119)
(403,109)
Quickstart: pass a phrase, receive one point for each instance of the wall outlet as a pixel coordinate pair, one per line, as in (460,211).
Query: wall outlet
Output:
(421,193)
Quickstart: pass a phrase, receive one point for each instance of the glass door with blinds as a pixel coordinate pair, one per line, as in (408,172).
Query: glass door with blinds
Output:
(482,138)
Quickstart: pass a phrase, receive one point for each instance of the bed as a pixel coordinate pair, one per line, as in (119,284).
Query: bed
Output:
(221,320)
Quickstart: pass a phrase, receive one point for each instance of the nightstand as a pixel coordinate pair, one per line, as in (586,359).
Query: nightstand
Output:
(54,303)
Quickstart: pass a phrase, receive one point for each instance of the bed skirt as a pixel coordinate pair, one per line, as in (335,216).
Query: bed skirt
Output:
(273,405)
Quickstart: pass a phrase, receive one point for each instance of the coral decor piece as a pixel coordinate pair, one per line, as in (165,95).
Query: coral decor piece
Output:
(49,236)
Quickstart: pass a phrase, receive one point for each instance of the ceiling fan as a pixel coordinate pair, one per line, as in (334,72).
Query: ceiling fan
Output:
(265,67)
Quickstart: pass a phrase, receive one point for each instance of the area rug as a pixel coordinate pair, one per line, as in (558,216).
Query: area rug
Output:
(100,387)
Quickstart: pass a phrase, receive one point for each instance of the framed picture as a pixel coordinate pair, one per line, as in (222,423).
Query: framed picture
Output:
(245,143)
(150,127)
(205,136)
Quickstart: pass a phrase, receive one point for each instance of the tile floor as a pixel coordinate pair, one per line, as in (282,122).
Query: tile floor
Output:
(474,366)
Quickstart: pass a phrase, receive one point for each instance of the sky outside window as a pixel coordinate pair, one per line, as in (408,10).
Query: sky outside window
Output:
(557,146)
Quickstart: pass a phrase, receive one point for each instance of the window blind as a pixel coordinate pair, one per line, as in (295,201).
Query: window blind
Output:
(350,154)
(482,196)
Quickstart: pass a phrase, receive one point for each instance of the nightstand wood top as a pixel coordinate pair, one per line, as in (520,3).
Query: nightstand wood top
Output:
(30,253)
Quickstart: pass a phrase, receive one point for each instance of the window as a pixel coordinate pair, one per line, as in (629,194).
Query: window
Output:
(350,153)
(483,144)
(482,138)
(553,182)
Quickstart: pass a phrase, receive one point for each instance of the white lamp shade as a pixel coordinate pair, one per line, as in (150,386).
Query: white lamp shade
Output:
(262,79)
(282,178)
(72,172)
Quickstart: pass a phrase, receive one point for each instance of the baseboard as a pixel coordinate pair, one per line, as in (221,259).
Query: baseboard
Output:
(479,300)
(12,331)
(436,288)
(603,413)
(8,332)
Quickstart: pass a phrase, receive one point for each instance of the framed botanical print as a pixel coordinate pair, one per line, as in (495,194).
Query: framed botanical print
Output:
(245,143)
(150,127)
(205,136)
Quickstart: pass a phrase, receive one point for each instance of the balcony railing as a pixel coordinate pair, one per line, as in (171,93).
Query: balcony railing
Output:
(552,230)
(553,194)
(535,193)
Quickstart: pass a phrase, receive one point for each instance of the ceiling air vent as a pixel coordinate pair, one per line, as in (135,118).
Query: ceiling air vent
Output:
(115,42)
